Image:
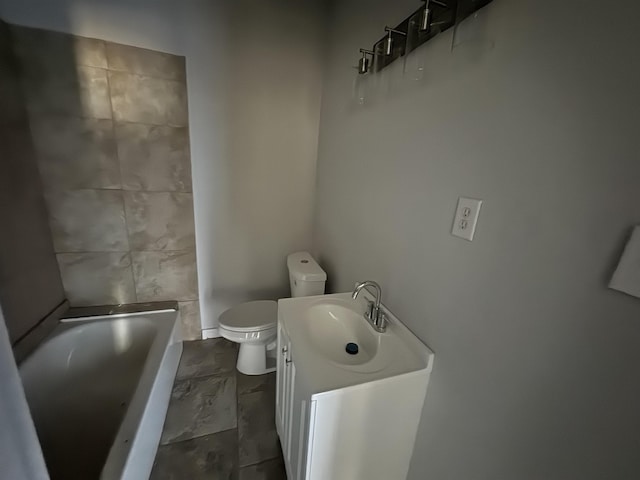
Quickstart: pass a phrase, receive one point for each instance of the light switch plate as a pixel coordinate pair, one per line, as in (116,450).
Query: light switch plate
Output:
(464,223)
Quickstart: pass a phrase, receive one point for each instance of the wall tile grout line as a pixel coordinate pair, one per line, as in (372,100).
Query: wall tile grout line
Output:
(104,189)
(110,119)
(144,75)
(184,250)
(117,155)
(128,72)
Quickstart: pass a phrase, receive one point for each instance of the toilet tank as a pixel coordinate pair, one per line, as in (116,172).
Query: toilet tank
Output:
(306,278)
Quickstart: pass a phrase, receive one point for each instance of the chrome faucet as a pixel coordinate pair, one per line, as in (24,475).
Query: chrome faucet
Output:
(374,315)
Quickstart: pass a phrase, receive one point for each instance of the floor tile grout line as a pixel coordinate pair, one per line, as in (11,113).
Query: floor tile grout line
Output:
(197,437)
(265,460)
(195,377)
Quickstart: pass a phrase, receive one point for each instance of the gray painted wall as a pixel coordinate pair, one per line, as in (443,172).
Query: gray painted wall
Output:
(536,369)
(30,286)
(254,75)
(110,128)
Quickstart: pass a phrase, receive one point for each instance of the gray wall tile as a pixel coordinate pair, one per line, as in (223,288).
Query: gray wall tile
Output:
(154,157)
(190,318)
(30,285)
(86,95)
(160,221)
(75,152)
(59,75)
(51,54)
(90,52)
(137,98)
(28,296)
(25,229)
(73,85)
(200,406)
(165,275)
(97,278)
(12,104)
(125,58)
(87,221)
(94,93)
(54,55)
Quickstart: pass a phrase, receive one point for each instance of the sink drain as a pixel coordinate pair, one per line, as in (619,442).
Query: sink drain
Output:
(351,348)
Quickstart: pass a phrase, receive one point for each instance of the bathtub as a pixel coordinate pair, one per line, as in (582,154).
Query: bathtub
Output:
(98,389)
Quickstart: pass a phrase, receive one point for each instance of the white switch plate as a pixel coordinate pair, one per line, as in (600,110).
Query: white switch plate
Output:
(464,223)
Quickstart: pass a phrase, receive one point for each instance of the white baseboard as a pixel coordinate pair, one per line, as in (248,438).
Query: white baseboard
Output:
(210,333)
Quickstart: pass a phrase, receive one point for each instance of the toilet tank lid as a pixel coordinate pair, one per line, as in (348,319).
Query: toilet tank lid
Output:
(303,267)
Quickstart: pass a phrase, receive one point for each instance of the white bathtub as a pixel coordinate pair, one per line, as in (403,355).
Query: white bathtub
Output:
(98,390)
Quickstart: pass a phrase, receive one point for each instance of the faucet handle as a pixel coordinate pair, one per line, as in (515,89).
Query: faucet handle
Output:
(370,311)
(381,321)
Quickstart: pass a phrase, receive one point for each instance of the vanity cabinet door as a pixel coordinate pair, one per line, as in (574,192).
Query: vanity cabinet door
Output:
(294,410)
(302,417)
(284,388)
(280,380)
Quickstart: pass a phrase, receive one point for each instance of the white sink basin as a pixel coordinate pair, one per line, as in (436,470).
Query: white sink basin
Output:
(319,329)
(331,325)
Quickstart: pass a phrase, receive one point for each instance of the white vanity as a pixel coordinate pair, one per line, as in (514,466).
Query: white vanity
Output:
(347,416)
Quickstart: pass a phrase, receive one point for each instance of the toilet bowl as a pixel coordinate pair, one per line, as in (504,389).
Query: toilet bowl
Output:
(254,324)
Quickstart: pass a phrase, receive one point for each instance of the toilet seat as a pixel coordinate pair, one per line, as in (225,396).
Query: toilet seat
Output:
(250,316)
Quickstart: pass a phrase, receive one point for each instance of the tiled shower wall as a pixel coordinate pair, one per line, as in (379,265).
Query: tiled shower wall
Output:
(110,128)
(30,286)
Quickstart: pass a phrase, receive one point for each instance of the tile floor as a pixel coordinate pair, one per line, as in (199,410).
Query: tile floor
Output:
(220,423)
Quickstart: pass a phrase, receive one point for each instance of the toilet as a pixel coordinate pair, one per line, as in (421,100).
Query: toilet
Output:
(254,324)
